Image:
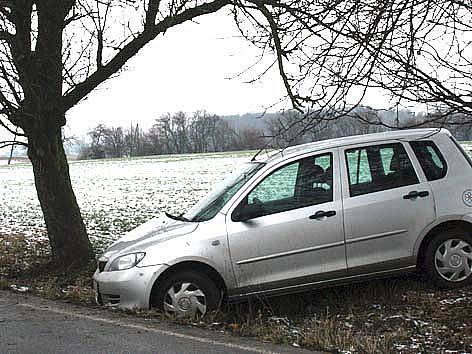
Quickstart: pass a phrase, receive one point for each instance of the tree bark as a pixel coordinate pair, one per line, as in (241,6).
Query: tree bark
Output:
(66,230)
(36,48)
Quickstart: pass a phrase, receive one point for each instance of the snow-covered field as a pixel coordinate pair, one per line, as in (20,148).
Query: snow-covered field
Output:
(467,145)
(116,195)
(401,315)
(14,161)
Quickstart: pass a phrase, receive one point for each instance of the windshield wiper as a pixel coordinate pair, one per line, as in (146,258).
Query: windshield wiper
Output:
(177,217)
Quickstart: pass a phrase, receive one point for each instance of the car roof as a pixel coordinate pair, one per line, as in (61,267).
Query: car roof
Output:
(407,134)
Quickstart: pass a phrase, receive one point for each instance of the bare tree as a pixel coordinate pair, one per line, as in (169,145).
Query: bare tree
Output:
(224,137)
(134,140)
(163,132)
(154,140)
(331,54)
(115,142)
(287,129)
(201,127)
(53,54)
(97,136)
(327,52)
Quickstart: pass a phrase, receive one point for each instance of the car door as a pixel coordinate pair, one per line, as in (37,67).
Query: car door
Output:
(297,236)
(386,206)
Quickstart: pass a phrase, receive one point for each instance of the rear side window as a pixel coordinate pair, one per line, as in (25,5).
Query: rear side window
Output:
(379,167)
(430,158)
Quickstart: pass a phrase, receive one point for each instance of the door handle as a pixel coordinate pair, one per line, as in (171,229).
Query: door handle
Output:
(416,194)
(321,214)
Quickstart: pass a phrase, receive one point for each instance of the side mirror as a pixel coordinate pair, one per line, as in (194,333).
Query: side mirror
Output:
(247,212)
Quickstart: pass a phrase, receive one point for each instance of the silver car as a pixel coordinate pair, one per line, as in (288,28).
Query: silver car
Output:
(312,215)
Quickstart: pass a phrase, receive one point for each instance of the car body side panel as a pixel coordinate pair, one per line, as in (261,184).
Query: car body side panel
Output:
(316,281)
(437,222)
(130,288)
(288,245)
(383,226)
(208,244)
(450,191)
(467,218)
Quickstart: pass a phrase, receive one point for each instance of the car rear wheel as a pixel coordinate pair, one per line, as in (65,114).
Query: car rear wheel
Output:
(448,259)
(187,295)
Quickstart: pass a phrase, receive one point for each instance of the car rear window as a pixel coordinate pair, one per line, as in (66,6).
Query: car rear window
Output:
(430,158)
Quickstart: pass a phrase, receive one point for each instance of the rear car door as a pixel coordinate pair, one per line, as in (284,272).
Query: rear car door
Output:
(387,203)
(298,236)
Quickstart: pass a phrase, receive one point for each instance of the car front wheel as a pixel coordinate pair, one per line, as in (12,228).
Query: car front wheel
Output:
(187,295)
(448,259)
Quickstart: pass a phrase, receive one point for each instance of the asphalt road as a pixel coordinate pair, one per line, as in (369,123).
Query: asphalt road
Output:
(32,325)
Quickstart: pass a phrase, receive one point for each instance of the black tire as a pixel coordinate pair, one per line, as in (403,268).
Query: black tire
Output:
(198,281)
(442,269)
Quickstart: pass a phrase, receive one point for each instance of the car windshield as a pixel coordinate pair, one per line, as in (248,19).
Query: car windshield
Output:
(212,203)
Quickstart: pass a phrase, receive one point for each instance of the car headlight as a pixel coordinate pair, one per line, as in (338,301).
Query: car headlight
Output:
(126,261)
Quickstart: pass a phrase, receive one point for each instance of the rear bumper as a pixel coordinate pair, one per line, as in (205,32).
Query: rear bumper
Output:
(129,288)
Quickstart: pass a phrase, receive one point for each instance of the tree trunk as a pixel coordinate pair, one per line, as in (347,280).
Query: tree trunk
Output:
(66,230)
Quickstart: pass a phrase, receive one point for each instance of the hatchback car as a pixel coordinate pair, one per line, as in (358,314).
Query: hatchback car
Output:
(312,215)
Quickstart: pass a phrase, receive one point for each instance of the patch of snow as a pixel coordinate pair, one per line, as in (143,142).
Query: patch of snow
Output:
(116,195)
(453,301)
(20,289)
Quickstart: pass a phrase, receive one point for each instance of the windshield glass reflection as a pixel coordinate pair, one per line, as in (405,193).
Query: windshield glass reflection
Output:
(212,203)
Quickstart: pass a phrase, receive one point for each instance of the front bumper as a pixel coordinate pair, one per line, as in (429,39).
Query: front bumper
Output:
(128,288)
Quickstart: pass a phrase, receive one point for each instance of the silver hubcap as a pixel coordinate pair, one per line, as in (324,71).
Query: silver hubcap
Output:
(185,300)
(453,260)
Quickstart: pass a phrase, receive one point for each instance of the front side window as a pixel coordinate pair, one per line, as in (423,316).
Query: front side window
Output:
(298,184)
(430,159)
(280,185)
(379,167)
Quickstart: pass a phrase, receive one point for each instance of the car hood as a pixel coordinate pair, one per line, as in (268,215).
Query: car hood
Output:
(154,231)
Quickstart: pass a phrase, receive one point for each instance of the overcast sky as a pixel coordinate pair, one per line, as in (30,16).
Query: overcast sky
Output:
(187,69)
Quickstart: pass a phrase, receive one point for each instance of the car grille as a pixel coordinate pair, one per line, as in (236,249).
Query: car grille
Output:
(110,300)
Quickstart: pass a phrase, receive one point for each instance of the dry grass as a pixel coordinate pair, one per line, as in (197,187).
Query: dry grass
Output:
(402,315)
(26,266)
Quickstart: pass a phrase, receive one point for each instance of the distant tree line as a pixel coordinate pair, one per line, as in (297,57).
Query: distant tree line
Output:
(292,127)
(203,132)
(170,134)
(460,125)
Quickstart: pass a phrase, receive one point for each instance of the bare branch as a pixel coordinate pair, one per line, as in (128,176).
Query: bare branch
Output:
(4,144)
(151,13)
(7,128)
(280,53)
(130,49)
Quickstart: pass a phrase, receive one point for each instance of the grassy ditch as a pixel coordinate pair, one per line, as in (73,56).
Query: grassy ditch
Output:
(404,315)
